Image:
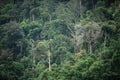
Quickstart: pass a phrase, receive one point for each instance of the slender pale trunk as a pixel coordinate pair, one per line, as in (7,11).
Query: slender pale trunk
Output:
(33,56)
(50,18)
(33,60)
(81,13)
(90,47)
(49,61)
(49,54)
(81,46)
(61,58)
(75,47)
(80,7)
(33,17)
(75,41)
(21,48)
(100,55)
(90,41)
(105,40)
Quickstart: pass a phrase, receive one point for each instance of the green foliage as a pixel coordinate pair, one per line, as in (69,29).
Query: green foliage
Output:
(54,27)
(32,30)
(11,34)
(77,39)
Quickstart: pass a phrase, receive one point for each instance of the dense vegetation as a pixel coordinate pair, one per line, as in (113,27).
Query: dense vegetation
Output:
(59,40)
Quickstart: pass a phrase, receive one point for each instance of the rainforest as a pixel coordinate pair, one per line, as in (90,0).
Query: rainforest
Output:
(59,39)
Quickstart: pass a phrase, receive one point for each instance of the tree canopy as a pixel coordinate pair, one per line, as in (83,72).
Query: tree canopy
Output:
(59,40)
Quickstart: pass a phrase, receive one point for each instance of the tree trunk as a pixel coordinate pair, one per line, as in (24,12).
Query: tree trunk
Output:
(80,6)
(75,45)
(105,40)
(21,48)
(50,18)
(81,12)
(33,60)
(33,17)
(49,61)
(33,56)
(90,47)
(100,55)
(61,58)
(90,41)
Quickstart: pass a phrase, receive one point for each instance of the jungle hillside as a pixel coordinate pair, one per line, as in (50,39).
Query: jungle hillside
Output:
(59,39)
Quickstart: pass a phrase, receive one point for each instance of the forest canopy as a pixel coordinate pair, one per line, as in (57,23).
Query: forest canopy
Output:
(59,39)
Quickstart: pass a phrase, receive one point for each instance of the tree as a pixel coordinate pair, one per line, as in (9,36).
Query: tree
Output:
(11,36)
(78,37)
(92,32)
(44,51)
(32,30)
(60,45)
